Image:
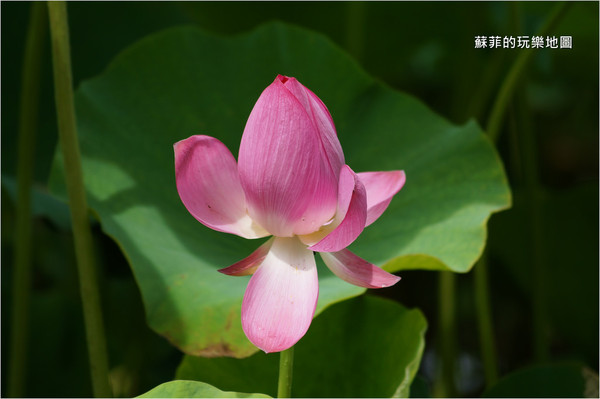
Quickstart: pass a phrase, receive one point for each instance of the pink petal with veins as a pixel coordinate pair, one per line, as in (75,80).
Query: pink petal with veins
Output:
(289,181)
(381,187)
(322,120)
(209,186)
(351,214)
(357,271)
(281,297)
(249,264)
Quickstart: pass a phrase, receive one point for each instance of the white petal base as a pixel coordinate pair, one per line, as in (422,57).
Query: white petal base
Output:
(281,297)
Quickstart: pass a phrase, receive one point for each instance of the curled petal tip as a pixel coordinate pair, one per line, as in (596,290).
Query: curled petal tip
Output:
(381,188)
(176,144)
(284,162)
(351,214)
(249,264)
(358,271)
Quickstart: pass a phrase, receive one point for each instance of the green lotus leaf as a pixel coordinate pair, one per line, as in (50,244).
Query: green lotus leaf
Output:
(364,347)
(194,389)
(182,82)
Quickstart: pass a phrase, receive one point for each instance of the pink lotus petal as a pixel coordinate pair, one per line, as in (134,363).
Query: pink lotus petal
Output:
(322,120)
(351,214)
(209,186)
(249,264)
(381,187)
(331,153)
(357,271)
(281,297)
(290,185)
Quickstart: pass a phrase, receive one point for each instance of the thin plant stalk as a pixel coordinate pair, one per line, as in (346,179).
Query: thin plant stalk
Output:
(355,28)
(28,118)
(286,365)
(484,319)
(526,148)
(447,334)
(512,78)
(90,296)
(493,129)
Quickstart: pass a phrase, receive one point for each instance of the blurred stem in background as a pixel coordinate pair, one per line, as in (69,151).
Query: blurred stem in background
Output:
(286,369)
(484,319)
(63,88)
(355,28)
(512,78)
(28,118)
(523,142)
(523,148)
(447,332)
(446,335)
(482,294)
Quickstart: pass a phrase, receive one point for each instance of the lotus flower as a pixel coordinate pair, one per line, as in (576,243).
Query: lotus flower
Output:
(290,182)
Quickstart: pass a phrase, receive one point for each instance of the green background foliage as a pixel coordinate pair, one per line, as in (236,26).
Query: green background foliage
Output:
(420,49)
(194,389)
(363,347)
(551,381)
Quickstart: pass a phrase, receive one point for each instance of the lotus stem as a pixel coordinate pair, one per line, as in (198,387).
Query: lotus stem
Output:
(447,334)
(514,74)
(286,365)
(65,109)
(355,28)
(28,118)
(525,147)
(493,129)
(484,318)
